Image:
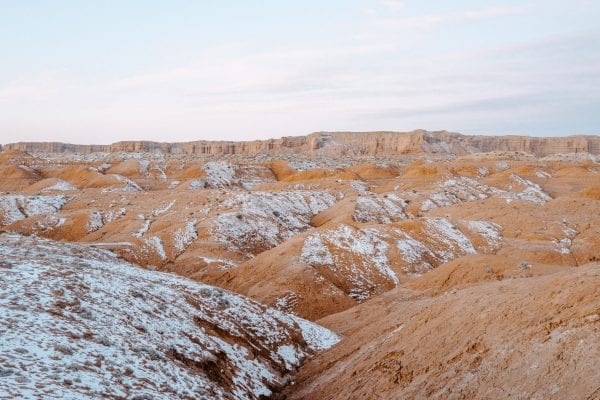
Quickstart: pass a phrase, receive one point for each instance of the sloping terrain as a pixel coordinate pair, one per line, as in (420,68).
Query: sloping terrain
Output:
(77,322)
(528,337)
(314,236)
(454,247)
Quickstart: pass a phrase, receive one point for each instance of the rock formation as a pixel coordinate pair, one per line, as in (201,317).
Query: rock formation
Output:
(342,143)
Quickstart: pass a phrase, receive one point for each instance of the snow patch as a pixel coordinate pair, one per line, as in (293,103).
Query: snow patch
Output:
(464,189)
(414,252)
(60,185)
(163,209)
(94,222)
(454,241)
(266,219)
(14,208)
(359,186)
(381,209)
(98,219)
(502,165)
(223,264)
(355,256)
(490,231)
(128,185)
(143,166)
(315,252)
(287,303)
(457,190)
(437,242)
(183,237)
(542,174)
(220,175)
(532,192)
(563,245)
(156,245)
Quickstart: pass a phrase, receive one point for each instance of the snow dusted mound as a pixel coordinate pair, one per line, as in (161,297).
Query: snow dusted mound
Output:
(17,207)
(77,323)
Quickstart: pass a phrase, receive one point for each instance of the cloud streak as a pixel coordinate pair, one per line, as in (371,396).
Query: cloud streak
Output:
(430,21)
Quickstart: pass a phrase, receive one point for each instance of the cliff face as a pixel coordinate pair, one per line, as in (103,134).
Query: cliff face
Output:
(342,143)
(55,147)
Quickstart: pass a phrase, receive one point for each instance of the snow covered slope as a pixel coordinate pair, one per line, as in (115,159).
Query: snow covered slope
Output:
(262,220)
(17,207)
(78,323)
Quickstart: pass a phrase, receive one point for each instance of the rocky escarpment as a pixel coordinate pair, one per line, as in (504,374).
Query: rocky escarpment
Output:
(342,143)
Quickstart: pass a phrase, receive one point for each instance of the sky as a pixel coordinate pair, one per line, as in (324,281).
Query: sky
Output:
(178,70)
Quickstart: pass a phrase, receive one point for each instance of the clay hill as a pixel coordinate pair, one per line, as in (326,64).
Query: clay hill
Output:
(343,143)
(82,324)
(430,264)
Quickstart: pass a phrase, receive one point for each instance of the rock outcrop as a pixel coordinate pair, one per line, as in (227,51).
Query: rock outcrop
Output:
(342,143)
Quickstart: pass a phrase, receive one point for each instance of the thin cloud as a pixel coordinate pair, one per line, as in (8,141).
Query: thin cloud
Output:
(430,21)
(493,12)
(392,5)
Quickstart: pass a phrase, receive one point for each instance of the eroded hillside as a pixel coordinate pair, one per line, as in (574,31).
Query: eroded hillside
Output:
(79,323)
(410,258)
(528,337)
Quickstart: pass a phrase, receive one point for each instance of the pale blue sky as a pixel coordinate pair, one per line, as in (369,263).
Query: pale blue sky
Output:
(102,71)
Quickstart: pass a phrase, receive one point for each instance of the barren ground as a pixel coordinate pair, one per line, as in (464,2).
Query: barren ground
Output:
(472,276)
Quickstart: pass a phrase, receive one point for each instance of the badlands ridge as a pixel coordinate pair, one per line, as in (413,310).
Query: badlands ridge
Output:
(338,265)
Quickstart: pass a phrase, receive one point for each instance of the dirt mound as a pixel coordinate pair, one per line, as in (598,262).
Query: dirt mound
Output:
(337,266)
(190,172)
(17,177)
(130,168)
(315,174)
(16,157)
(374,172)
(420,169)
(82,176)
(495,340)
(281,169)
(50,185)
(293,286)
(476,268)
(573,171)
(468,170)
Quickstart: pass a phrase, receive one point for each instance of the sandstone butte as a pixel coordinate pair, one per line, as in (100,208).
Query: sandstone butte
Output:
(380,265)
